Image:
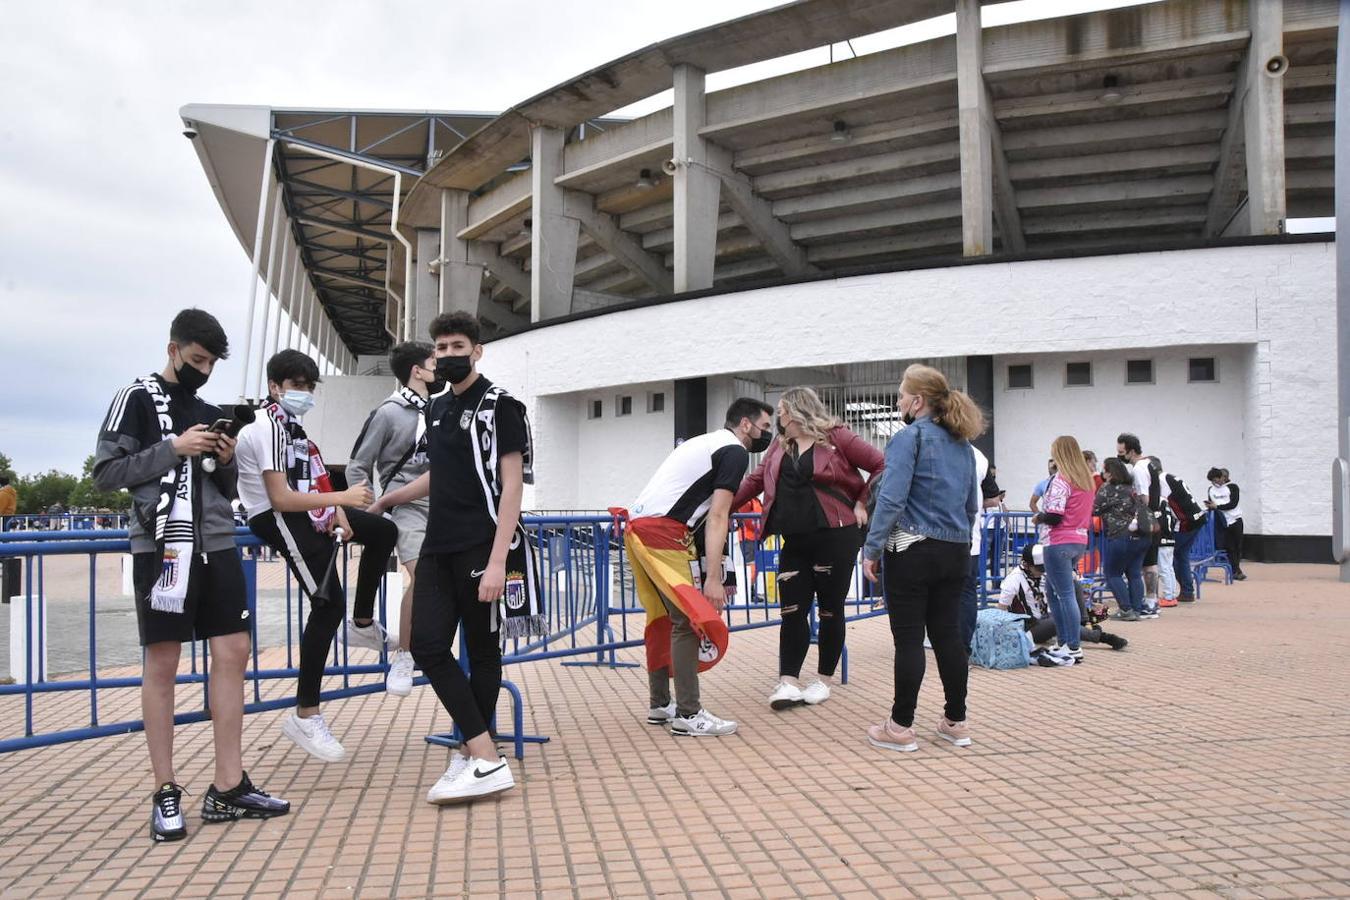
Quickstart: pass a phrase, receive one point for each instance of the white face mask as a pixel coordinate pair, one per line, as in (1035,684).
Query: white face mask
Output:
(297,403)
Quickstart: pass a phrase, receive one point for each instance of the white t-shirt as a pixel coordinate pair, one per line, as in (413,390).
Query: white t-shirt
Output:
(981,470)
(1141,478)
(1220,495)
(263,447)
(683,484)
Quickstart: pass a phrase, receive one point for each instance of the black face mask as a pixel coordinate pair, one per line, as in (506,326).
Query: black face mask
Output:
(436,386)
(761,443)
(454,369)
(190,377)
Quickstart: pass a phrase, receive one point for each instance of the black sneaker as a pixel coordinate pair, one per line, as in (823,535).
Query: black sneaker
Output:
(1185,598)
(1116,642)
(166,813)
(242,802)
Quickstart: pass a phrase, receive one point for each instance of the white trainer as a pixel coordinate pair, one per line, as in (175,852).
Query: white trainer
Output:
(367,637)
(399,682)
(816,692)
(661,715)
(786,696)
(312,736)
(702,724)
(478,778)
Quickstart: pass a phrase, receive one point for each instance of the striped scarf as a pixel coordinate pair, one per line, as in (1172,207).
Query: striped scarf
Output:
(173,528)
(520,611)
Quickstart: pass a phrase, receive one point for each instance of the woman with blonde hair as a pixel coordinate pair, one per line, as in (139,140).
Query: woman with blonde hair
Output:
(923,520)
(1067,509)
(813,497)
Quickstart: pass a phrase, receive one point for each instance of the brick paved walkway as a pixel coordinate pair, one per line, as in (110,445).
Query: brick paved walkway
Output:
(1208,759)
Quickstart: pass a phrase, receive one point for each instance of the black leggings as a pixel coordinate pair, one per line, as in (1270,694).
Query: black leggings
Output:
(923,590)
(311,557)
(445,593)
(815,567)
(1232,544)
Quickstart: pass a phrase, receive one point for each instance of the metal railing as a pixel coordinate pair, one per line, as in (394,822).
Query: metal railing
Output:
(64,522)
(588,592)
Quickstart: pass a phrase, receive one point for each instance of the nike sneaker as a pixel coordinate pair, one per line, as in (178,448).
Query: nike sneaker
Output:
(400,680)
(312,736)
(166,813)
(478,778)
(245,801)
(367,637)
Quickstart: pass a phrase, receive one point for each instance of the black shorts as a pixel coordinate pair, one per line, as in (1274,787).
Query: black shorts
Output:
(216,603)
(1151,554)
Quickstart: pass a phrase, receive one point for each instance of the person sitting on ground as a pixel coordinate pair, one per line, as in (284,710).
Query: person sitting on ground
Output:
(1023,592)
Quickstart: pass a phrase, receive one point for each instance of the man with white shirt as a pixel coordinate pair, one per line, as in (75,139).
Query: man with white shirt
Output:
(1148,485)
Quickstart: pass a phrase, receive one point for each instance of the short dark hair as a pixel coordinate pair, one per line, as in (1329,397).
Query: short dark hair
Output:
(406,355)
(457,322)
(1116,471)
(294,365)
(746,408)
(1213,473)
(197,326)
(1130,442)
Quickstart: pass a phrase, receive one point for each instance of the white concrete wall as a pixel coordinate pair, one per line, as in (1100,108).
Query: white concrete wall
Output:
(618,453)
(1278,299)
(341,405)
(1190,427)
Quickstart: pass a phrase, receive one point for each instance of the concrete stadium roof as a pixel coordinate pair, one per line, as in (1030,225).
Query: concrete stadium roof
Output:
(1112,130)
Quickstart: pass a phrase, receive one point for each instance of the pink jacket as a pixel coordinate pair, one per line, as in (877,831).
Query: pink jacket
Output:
(836,475)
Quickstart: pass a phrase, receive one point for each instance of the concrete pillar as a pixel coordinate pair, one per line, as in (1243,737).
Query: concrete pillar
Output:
(977,171)
(553,250)
(1343,253)
(426,293)
(697,188)
(1264,117)
(461,285)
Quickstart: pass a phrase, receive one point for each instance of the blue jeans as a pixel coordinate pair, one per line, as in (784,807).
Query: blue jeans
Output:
(970,602)
(1124,558)
(1181,562)
(1060,560)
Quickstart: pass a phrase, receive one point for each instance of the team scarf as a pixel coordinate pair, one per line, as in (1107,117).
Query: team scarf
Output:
(304,465)
(173,531)
(520,611)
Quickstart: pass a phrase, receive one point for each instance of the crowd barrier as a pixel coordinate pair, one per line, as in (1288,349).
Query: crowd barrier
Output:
(64,522)
(588,592)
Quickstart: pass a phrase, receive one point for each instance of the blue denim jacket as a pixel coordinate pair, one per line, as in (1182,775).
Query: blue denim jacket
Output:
(928,487)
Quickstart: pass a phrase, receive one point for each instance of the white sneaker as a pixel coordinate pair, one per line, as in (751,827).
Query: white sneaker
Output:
(786,696)
(399,682)
(703,724)
(478,778)
(312,736)
(367,637)
(816,692)
(660,715)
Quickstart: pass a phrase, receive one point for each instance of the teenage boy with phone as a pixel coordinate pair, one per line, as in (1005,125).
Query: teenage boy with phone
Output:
(189,583)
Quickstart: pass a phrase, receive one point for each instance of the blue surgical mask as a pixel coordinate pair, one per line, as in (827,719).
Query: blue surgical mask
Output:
(297,403)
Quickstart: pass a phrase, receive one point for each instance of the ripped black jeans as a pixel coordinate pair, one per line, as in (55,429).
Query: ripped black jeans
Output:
(815,568)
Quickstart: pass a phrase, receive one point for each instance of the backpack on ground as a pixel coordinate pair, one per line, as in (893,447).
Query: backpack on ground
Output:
(1001,640)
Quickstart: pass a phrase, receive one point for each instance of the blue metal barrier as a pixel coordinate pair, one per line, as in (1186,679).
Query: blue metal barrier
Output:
(587,585)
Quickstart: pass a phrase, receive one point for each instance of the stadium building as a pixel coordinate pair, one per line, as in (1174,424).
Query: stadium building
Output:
(1083,221)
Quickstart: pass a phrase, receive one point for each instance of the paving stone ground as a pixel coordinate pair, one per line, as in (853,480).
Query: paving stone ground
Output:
(1208,759)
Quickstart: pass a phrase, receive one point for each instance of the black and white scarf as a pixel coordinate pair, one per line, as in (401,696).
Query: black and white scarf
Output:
(305,469)
(520,613)
(174,513)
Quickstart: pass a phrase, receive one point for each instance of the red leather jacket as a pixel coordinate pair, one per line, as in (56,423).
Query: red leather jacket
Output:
(836,473)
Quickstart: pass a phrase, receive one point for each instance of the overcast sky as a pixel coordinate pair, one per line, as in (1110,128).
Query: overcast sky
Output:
(108,225)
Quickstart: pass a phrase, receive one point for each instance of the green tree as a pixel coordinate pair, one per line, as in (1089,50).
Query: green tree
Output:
(86,494)
(38,492)
(7,467)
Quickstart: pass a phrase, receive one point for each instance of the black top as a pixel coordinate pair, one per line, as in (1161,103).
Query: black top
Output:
(796,509)
(458,518)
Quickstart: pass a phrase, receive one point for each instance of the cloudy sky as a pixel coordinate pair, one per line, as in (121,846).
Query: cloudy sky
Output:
(108,224)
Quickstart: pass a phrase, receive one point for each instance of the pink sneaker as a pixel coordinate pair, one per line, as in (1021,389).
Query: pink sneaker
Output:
(890,736)
(956,732)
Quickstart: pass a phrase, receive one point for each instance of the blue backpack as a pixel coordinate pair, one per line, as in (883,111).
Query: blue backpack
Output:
(1001,640)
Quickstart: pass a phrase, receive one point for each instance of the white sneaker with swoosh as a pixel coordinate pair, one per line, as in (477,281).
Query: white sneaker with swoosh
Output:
(480,778)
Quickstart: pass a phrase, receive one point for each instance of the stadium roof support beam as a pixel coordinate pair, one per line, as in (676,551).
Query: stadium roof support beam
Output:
(461,277)
(618,243)
(697,187)
(757,215)
(1264,117)
(553,251)
(985,184)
